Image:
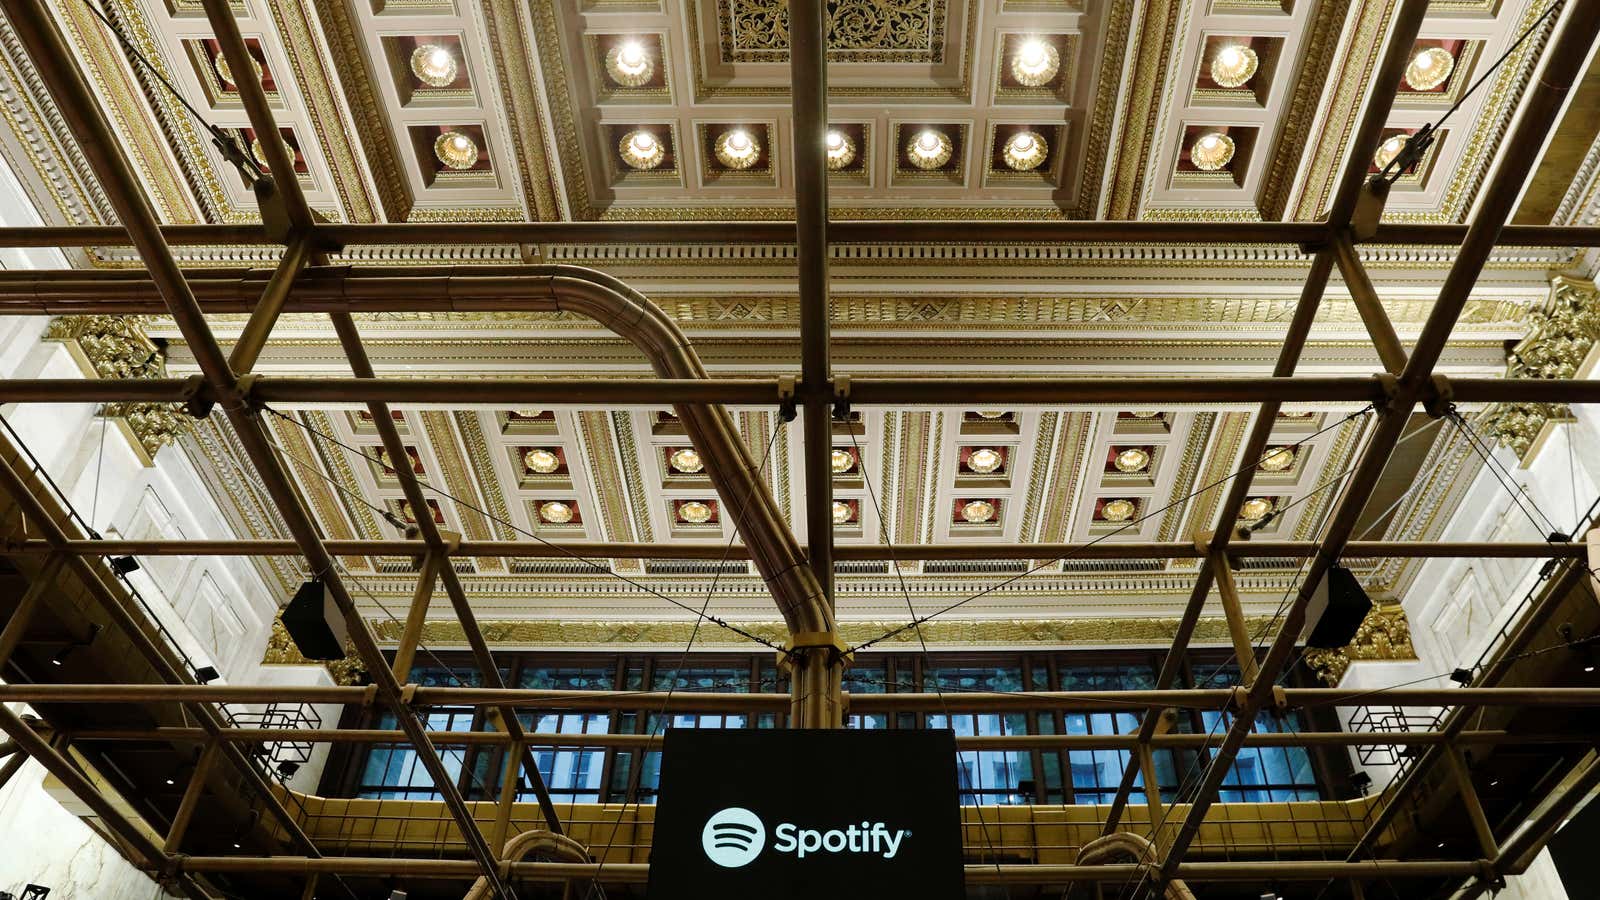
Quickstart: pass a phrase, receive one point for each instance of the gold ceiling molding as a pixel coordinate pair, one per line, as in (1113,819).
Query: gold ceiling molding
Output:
(116,347)
(1105,631)
(893,31)
(1311,81)
(1158,29)
(1559,339)
(1385,634)
(951,313)
(361,97)
(104,65)
(74,198)
(508,38)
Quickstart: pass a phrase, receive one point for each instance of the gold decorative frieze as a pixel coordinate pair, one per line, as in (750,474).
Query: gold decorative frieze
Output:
(1384,634)
(281,651)
(1124,631)
(117,347)
(1559,339)
(897,31)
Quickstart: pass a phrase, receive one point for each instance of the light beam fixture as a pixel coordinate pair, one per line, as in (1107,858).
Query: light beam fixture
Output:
(457,150)
(628,64)
(1211,151)
(641,150)
(737,149)
(1234,66)
(1025,151)
(929,149)
(841,150)
(1429,69)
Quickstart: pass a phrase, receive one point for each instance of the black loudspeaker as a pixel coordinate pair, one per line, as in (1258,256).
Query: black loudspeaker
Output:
(1337,610)
(314,622)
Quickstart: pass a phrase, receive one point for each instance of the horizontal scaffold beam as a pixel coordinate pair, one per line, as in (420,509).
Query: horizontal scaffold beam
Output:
(522,698)
(497,392)
(597,550)
(783,233)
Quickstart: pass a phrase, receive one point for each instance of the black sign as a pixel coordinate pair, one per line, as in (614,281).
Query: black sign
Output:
(777,814)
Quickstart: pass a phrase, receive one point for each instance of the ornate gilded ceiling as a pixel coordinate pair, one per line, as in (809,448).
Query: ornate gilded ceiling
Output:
(1220,110)
(1119,101)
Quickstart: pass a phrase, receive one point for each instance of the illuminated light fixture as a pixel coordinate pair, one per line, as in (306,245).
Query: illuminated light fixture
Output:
(456,150)
(1025,151)
(434,66)
(555,512)
(1118,510)
(1257,508)
(225,71)
(1389,150)
(929,149)
(628,64)
(694,512)
(991,414)
(842,513)
(985,460)
(737,149)
(641,150)
(529,413)
(541,460)
(1035,63)
(1145,414)
(259,151)
(1133,459)
(1211,152)
(1429,69)
(841,461)
(977,511)
(1234,66)
(1278,460)
(687,461)
(841,151)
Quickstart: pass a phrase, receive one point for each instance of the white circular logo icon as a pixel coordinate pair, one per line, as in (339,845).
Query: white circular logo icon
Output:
(734,837)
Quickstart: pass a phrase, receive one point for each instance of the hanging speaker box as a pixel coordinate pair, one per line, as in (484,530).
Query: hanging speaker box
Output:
(314,622)
(1337,610)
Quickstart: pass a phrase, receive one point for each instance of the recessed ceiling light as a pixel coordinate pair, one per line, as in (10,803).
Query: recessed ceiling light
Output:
(555,512)
(1035,63)
(929,149)
(687,460)
(1256,508)
(1389,150)
(628,64)
(842,513)
(225,71)
(1429,69)
(737,149)
(434,65)
(977,511)
(1131,460)
(1234,66)
(841,149)
(841,461)
(457,150)
(1277,460)
(641,150)
(694,512)
(1211,151)
(541,460)
(985,460)
(1118,510)
(1025,151)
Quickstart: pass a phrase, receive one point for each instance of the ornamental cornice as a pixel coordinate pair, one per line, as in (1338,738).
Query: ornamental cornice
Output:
(1384,634)
(1560,337)
(117,347)
(1108,631)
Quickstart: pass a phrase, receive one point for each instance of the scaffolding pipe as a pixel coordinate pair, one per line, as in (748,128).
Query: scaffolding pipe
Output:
(985,233)
(601,550)
(526,698)
(484,392)
(101,147)
(1566,56)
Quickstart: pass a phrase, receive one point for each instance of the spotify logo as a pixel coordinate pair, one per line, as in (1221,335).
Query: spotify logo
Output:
(733,837)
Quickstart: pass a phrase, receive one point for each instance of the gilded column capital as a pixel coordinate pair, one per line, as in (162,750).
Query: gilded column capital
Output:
(117,347)
(281,651)
(1560,336)
(1384,634)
